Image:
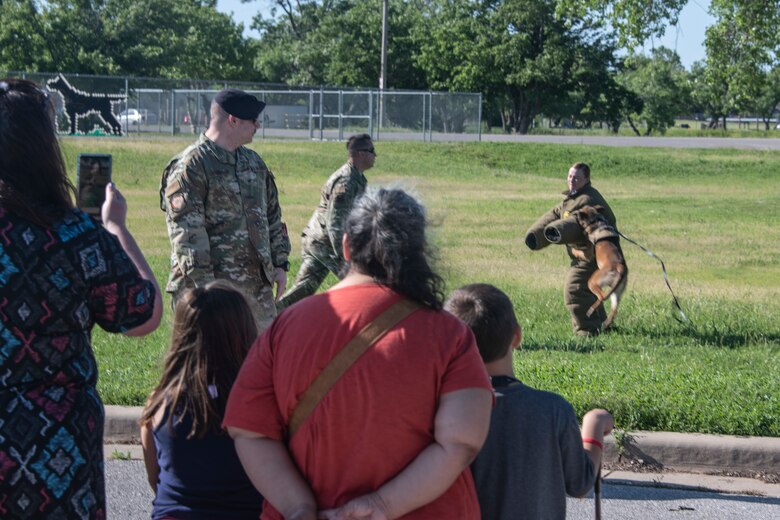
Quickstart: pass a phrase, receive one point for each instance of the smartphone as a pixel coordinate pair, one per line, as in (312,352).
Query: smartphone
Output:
(93,174)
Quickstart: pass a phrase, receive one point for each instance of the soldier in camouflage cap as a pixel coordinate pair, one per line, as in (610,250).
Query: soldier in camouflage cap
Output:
(576,294)
(222,209)
(321,250)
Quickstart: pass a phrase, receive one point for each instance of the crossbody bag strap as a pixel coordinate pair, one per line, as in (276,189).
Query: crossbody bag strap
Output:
(345,358)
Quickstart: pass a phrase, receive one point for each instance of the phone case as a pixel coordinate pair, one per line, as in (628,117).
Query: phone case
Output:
(93,174)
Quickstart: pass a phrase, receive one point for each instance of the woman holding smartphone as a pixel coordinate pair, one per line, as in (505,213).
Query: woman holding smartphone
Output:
(61,272)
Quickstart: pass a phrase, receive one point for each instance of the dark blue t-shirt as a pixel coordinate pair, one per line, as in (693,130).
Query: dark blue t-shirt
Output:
(201,478)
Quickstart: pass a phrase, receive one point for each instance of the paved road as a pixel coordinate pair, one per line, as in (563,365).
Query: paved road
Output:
(129,498)
(746,143)
(743,143)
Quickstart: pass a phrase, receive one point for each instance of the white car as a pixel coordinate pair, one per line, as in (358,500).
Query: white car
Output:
(131,116)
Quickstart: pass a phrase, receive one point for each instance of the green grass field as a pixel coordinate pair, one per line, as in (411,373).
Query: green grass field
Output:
(711,215)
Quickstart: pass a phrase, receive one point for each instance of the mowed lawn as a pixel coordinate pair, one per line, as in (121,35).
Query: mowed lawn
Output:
(711,215)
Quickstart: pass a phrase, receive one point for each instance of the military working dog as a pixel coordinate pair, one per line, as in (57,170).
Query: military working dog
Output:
(610,280)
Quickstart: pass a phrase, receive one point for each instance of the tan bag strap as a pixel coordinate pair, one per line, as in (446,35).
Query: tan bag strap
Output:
(345,358)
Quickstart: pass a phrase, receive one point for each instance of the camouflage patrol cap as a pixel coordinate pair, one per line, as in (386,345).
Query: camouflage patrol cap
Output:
(239,104)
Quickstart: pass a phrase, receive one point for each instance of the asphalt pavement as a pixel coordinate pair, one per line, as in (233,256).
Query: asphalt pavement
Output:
(654,475)
(129,497)
(739,143)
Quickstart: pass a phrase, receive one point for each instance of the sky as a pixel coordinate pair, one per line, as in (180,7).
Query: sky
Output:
(687,37)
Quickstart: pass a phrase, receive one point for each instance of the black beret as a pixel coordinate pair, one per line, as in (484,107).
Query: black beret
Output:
(239,104)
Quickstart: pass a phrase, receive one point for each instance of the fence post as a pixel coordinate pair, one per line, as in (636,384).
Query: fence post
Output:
(479,117)
(341,115)
(322,95)
(378,113)
(127,106)
(173,111)
(262,133)
(430,116)
(370,113)
(311,114)
(423,119)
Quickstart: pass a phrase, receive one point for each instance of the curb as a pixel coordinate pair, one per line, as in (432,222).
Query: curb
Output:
(690,452)
(697,452)
(121,425)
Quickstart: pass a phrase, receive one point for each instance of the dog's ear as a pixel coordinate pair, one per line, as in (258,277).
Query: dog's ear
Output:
(599,208)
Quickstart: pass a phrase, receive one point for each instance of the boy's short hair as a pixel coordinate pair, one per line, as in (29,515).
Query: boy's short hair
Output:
(489,313)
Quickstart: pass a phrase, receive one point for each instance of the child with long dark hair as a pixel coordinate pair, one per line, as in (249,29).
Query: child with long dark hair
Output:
(191,463)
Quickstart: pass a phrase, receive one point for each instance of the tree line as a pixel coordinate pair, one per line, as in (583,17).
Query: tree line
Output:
(572,61)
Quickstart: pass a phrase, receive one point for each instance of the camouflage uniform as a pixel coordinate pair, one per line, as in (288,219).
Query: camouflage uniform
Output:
(321,240)
(224,221)
(576,294)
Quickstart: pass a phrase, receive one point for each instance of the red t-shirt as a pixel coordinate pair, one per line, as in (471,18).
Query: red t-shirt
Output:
(379,415)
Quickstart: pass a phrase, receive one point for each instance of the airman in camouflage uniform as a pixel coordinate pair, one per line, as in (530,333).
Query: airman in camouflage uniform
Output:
(321,249)
(222,209)
(576,294)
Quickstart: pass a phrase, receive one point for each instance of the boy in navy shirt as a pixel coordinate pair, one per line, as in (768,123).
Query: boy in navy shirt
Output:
(534,454)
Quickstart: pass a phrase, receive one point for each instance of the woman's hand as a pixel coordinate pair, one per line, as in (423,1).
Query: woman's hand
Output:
(114,209)
(367,507)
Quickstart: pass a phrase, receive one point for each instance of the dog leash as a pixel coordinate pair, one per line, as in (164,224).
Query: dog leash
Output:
(666,276)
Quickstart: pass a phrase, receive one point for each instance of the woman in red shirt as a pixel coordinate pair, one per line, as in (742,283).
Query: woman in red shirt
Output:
(394,435)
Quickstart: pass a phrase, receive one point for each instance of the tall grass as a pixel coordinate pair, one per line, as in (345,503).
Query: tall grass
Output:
(711,215)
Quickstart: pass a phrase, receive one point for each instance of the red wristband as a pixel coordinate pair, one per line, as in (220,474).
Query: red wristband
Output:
(588,440)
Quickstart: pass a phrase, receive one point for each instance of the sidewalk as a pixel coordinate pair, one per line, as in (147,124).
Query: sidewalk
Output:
(720,463)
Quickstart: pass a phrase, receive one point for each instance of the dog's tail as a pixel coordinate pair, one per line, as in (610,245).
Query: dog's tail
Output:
(614,300)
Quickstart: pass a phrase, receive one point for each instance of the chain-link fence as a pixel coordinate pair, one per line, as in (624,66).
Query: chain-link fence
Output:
(94,105)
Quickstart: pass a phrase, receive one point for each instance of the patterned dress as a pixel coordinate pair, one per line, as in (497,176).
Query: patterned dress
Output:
(55,284)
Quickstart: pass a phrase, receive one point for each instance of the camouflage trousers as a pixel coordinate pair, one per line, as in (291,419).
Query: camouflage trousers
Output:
(259,294)
(578,299)
(315,266)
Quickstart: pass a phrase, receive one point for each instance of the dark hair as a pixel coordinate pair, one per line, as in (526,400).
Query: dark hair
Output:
(358,142)
(34,183)
(213,329)
(583,168)
(489,313)
(386,240)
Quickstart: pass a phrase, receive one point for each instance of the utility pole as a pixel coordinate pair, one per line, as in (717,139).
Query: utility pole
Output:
(383,63)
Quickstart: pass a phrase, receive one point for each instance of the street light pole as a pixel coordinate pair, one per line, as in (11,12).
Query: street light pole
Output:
(383,62)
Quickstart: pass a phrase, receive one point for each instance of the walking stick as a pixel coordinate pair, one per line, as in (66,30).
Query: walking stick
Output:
(597,493)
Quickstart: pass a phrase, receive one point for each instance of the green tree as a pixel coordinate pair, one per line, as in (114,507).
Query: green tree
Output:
(52,35)
(741,46)
(174,38)
(634,21)
(337,42)
(22,42)
(171,38)
(662,83)
(596,97)
(282,54)
(518,53)
(709,92)
(769,97)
